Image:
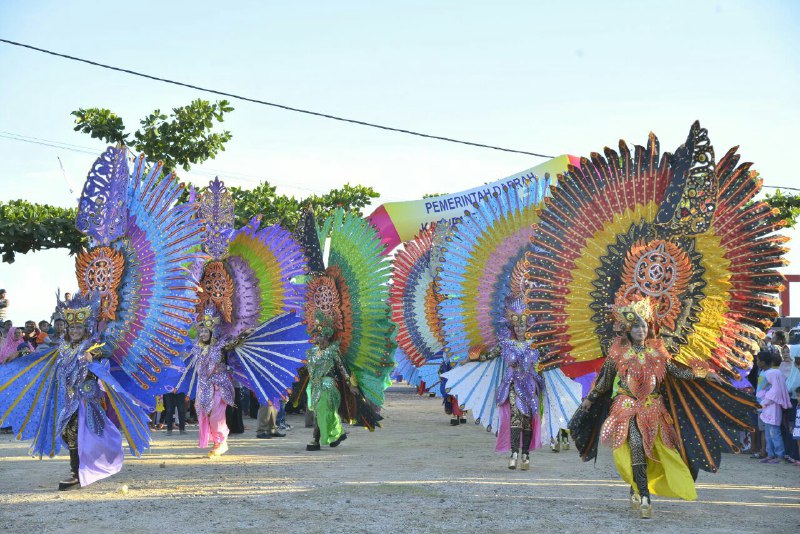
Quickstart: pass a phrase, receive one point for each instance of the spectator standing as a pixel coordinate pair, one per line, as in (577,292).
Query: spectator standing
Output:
(44,331)
(3,305)
(175,401)
(59,333)
(31,334)
(793,419)
(15,346)
(775,399)
(7,326)
(267,422)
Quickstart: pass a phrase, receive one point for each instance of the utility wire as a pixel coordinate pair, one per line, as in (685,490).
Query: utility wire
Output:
(194,172)
(207,171)
(272,104)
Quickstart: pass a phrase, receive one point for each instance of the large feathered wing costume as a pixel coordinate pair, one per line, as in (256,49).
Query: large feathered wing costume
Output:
(353,291)
(481,265)
(142,302)
(677,228)
(249,279)
(30,400)
(414,299)
(140,247)
(477,265)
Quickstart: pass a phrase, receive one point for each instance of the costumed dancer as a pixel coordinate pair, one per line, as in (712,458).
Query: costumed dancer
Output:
(348,316)
(483,280)
(126,325)
(247,329)
(669,244)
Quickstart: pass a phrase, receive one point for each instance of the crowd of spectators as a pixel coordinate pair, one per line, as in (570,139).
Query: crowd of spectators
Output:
(775,379)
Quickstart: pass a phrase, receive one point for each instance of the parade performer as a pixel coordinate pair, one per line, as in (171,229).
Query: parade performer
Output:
(247,329)
(483,280)
(414,299)
(125,327)
(658,263)
(348,316)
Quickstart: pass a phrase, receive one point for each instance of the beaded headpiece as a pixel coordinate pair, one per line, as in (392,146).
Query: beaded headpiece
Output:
(628,313)
(517,312)
(324,324)
(209,318)
(82,309)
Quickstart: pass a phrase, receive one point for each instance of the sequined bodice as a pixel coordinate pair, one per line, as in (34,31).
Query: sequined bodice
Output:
(520,374)
(321,364)
(212,374)
(75,381)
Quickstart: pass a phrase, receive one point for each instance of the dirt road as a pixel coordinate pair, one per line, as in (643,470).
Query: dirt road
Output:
(416,474)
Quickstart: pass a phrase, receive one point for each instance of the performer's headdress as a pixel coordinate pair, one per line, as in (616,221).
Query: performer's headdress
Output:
(516,310)
(83,309)
(628,313)
(324,304)
(324,324)
(209,318)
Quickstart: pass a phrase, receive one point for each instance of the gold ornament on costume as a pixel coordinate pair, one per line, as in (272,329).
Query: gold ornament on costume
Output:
(100,270)
(217,287)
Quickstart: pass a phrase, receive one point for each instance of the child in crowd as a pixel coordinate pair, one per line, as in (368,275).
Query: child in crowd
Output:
(774,399)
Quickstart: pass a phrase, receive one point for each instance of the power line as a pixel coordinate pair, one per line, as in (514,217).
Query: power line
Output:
(202,172)
(782,187)
(208,171)
(272,104)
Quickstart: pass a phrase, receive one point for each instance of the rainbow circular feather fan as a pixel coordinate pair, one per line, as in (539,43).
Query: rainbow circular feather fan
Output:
(360,272)
(414,299)
(478,262)
(678,228)
(249,275)
(263,263)
(139,238)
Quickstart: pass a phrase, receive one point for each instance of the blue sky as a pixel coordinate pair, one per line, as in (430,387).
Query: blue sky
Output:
(567,78)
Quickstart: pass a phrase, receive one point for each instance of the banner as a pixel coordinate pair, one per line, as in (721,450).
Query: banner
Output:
(401,221)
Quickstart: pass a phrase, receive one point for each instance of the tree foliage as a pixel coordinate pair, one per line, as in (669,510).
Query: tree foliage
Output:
(183,138)
(27,227)
(285,210)
(788,206)
(180,139)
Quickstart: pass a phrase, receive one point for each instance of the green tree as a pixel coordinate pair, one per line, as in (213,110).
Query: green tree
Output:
(788,206)
(180,139)
(285,210)
(27,227)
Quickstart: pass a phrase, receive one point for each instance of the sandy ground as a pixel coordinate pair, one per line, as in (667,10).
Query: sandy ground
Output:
(415,474)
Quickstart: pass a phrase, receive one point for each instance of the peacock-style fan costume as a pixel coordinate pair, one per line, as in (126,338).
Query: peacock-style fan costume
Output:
(679,231)
(482,280)
(127,325)
(414,298)
(249,303)
(347,314)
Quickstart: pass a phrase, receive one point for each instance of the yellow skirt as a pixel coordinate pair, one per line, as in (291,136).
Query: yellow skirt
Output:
(667,475)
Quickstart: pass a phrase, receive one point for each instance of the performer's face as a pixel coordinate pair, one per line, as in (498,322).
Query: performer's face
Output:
(521,327)
(76,332)
(205,334)
(639,332)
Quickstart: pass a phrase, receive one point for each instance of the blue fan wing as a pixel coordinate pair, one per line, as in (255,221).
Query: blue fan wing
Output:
(475,386)
(269,359)
(30,399)
(562,398)
(128,414)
